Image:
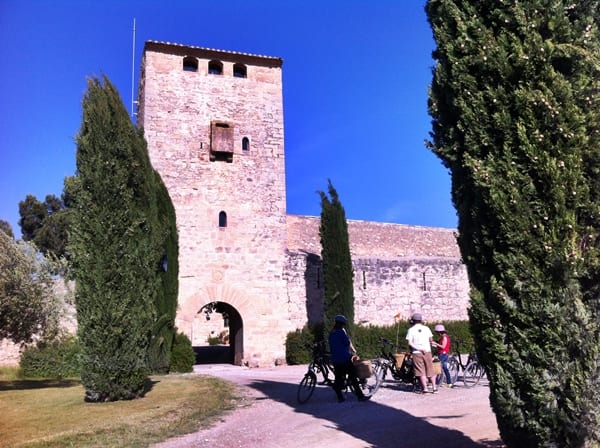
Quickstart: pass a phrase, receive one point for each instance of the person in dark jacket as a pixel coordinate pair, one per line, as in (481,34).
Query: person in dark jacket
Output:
(341,357)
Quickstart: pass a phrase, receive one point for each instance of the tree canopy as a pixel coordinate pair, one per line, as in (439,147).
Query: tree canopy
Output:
(337,261)
(116,247)
(515,102)
(28,304)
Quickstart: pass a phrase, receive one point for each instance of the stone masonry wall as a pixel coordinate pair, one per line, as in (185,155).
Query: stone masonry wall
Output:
(411,269)
(240,264)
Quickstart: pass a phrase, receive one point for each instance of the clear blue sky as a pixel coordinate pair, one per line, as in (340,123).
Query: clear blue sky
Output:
(355,80)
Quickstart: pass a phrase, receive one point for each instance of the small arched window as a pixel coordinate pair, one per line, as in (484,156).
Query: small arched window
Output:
(245,144)
(190,64)
(215,67)
(222,219)
(239,70)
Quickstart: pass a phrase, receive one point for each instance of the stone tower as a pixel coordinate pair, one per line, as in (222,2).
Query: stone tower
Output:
(213,121)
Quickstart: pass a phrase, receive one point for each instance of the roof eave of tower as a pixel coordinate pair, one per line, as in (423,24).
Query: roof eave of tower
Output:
(212,53)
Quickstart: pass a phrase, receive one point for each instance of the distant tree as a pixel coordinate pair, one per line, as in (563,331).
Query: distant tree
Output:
(6,228)
(28,304)
(45,223)
(53,236)
(337,262)
(114,247)
(33,213)
(515,102)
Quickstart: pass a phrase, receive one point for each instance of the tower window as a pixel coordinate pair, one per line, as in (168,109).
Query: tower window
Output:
(221,141)
(222,219)
(239,70)
(215,68)
(245,144)
(190,64)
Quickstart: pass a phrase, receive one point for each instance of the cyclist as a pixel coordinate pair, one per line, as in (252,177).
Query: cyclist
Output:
(419,339)
(341,357)
(443,346)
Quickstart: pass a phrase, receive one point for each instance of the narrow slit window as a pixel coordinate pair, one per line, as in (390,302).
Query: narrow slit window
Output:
(190,64)
(239,71)
(215,68)
(222,219)
(245,144)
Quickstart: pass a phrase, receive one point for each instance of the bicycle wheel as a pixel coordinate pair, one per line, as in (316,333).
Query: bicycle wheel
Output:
(472,374)
(379,367)
(371,385)
(306,387)
(453,367)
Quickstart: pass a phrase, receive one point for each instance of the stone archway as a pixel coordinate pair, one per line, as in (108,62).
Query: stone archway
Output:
(218,334)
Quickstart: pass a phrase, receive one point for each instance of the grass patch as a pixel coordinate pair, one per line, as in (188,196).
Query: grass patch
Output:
(53,414)
(9,373)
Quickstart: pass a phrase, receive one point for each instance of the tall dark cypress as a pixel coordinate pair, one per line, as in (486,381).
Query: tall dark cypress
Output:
(515,102)
(114,247)
(163,331)
(337,261)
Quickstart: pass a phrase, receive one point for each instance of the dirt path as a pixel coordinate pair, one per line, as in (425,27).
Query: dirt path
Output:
(271,417)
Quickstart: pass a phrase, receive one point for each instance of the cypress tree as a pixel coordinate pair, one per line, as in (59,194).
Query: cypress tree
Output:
(114,247)
(163,332)
(515,103)
(337,261)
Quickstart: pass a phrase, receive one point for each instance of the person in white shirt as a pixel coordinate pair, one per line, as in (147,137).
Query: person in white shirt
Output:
(419,339)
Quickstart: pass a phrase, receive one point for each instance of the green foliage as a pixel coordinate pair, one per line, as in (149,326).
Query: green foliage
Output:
(298,344)
(6,228)
(337,261)
(28,303)
(163,331)
(58,359)
(45,223)
(213,340)
(182,356)
(115,247)
(515,110)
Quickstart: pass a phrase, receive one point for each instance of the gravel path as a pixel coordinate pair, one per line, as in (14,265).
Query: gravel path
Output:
(270,417)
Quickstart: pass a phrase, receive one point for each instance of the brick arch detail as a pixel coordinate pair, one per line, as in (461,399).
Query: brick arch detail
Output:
(215,293)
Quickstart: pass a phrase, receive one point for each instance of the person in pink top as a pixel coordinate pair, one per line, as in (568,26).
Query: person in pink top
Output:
(419,339)
(443,345)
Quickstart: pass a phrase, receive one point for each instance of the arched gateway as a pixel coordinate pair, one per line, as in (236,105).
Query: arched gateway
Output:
(218,334)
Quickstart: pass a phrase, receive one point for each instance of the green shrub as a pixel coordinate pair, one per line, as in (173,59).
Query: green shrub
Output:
(213,340)
(182,356)
(56,359)
(298,346)
(366,339)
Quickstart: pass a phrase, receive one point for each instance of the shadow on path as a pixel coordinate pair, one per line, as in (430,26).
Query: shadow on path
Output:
(377,424)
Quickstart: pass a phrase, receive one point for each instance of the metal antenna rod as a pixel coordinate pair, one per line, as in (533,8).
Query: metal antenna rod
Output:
(133,71)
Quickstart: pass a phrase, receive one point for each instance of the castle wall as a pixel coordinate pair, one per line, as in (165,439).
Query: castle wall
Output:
(398,269)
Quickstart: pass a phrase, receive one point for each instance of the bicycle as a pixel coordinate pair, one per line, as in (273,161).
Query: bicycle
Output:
(400,365)
(321,363)
(472,369)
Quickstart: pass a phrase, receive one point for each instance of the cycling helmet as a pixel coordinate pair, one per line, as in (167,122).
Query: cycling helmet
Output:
(439,328)
(340,318)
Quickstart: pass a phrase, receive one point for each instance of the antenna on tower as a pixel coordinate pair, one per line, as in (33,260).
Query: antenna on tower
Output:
(133,114)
